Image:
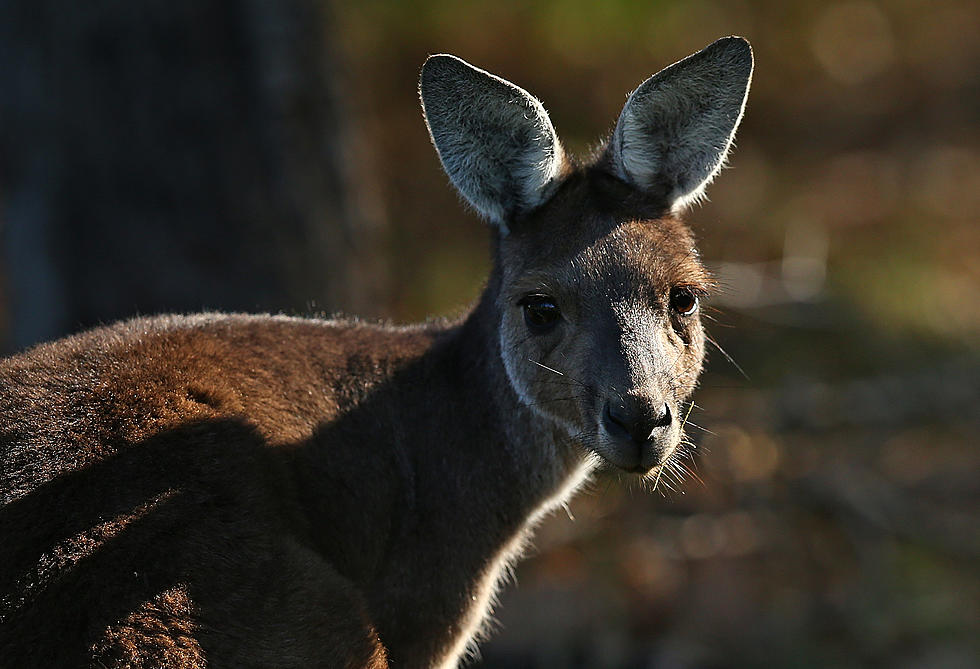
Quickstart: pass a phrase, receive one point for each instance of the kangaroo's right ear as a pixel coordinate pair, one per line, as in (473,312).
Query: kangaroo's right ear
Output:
(495,140)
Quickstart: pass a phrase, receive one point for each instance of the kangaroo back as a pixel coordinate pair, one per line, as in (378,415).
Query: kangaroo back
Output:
(249,491)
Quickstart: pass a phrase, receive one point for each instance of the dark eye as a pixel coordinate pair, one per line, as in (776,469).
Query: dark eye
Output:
(540,313)
(683,301)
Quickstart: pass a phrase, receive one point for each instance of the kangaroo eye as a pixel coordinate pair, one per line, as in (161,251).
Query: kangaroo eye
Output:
(541,314)
(683,301)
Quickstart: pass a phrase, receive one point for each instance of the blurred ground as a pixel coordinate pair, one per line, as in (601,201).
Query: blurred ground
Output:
(831,515)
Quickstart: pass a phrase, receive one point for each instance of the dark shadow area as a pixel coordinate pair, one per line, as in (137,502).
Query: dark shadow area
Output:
(173,157)
(211,508)
(92,546)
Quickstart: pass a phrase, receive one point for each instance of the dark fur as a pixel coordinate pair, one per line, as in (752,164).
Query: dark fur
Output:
(254,491)
(257,490)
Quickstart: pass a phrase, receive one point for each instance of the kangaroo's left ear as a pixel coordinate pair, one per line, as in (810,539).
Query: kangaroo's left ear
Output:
(495,140)
(675,131)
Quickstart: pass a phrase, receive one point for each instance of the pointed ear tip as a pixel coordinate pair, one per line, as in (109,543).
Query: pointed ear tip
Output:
(734,41)
(737,39)
(437,58)
(737,46)
(439,63)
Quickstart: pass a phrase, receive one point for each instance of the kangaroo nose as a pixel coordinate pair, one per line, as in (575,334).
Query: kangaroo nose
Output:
(635,418)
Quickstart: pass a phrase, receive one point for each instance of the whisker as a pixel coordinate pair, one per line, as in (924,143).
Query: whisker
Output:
(695,425)
(656,482)
(728,357)
(687,415)
(562,374)
(691,472)
(535,362)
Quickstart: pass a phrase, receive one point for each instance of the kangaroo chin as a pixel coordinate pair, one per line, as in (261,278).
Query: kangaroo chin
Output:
(228,490)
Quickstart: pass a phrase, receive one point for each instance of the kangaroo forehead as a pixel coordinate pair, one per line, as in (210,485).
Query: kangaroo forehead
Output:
(634,255)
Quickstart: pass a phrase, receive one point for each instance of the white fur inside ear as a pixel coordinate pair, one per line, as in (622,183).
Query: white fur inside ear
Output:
(495,140)
(676,129)
(541,163)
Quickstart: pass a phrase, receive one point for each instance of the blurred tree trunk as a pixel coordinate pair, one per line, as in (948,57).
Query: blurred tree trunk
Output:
(173,155)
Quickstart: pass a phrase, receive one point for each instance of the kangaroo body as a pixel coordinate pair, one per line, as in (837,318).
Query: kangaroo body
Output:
(181,465)
(250,491)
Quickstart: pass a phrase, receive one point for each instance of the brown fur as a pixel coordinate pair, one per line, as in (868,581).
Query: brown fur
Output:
(207,486)
(133,444)
(254,491)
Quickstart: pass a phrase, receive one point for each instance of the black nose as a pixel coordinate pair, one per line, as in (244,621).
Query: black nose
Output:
(635,418)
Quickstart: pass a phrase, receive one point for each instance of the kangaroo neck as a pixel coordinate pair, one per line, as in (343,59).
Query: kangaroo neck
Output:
(533,453)
(483,469)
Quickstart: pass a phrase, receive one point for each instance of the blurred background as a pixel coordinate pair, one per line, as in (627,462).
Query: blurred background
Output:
(234,154)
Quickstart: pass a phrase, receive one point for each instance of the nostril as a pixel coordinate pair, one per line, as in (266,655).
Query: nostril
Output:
(616,418)
(662,418)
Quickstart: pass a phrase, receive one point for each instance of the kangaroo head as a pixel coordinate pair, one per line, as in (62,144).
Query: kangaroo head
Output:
(597,284)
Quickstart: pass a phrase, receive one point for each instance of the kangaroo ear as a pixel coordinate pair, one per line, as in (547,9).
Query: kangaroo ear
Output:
(676,128)
(494,139)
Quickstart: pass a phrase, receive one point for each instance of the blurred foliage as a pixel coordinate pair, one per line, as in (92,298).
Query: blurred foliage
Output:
(830,516)
(861,123)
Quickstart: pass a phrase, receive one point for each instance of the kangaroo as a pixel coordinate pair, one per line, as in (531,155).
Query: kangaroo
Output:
(233,490)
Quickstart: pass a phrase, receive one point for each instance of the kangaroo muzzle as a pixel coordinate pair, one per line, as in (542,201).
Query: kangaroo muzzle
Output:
(639,431)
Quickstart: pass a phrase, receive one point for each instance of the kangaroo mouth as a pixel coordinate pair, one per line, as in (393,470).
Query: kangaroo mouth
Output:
(634,457)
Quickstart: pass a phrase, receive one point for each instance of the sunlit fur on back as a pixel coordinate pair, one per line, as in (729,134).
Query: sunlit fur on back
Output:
(228,490)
